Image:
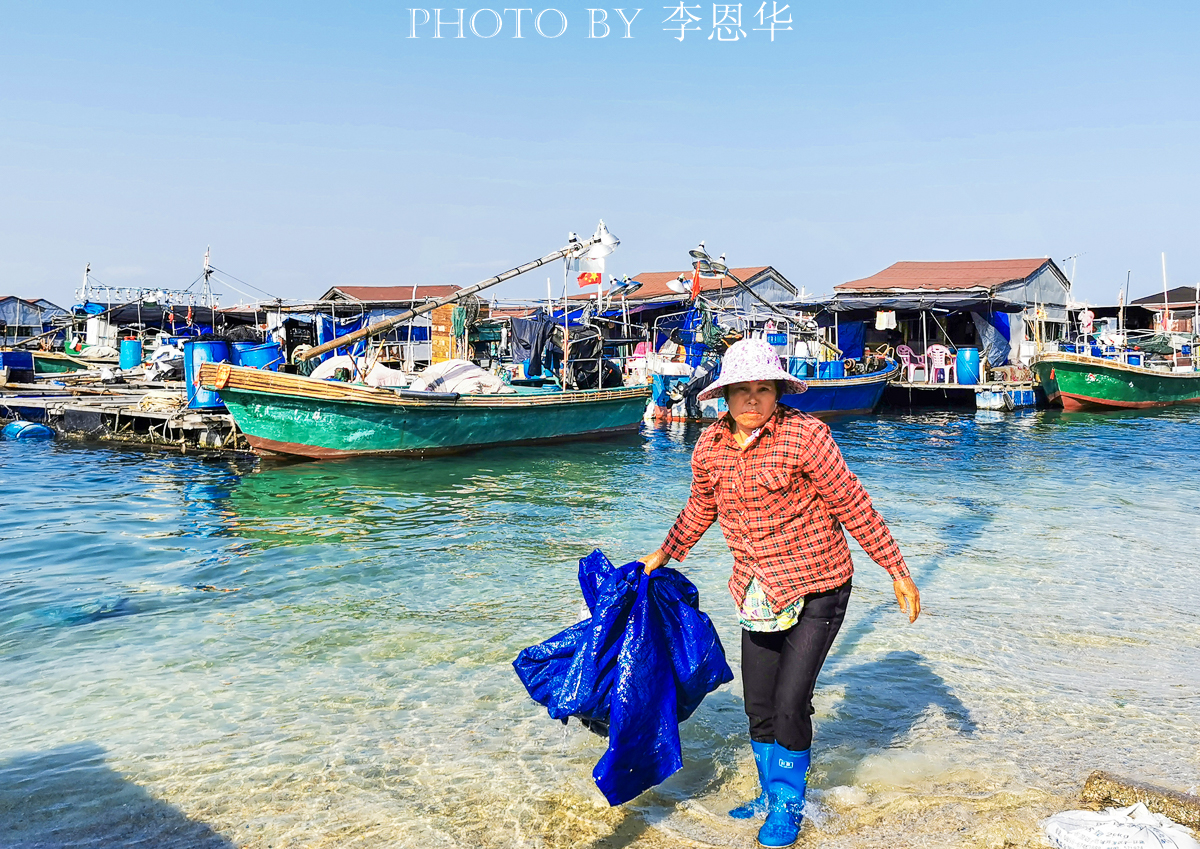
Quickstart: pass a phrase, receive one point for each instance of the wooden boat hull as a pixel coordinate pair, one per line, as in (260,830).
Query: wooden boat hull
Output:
(843,396)
(1079,382)
(283,414)
(52,362)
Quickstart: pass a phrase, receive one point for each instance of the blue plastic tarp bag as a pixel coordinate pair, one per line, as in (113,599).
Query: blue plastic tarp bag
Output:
(636,669)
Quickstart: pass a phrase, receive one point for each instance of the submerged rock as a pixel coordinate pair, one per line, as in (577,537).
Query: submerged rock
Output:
(1108,789)
(91,611)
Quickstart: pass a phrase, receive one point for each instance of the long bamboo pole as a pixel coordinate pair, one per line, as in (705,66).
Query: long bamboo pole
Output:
(1124,296)
(574,249)
(1166,304)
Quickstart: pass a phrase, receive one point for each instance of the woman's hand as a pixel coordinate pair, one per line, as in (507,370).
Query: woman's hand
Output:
(909,597)
(659,558)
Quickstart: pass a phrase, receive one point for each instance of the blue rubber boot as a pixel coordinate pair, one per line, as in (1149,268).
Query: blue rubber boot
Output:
(763,753)
(786,782)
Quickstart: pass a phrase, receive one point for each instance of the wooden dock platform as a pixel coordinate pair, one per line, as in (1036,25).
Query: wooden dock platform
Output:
(990,395)
(151,415)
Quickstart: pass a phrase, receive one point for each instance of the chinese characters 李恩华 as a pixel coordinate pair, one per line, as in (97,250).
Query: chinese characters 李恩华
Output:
(726,23)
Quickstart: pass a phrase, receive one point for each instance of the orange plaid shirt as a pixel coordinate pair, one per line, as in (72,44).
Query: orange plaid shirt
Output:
(782,503)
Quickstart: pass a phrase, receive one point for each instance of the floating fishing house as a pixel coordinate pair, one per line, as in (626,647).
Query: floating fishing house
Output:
(647,307)
(22,319)
(342,310)
(1173,311)
(964,332)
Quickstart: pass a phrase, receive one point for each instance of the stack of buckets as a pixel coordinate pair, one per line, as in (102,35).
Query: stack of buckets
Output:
(250,354)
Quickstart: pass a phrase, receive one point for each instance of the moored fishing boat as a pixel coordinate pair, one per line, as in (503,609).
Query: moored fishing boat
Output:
(55,362)
(298,416)
(284,414)
(857,394)
(1080,382)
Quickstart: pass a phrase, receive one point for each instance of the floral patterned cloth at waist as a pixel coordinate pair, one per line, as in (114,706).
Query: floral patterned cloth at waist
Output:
(755,612)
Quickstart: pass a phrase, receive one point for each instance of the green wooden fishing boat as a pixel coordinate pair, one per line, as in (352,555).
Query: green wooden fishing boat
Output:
(284,414)
(1080,382)
(53,362)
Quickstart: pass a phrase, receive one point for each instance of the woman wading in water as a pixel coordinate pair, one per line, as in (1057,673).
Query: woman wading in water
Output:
(776,481)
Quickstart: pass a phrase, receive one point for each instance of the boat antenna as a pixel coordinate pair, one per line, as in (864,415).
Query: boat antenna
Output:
(207,291)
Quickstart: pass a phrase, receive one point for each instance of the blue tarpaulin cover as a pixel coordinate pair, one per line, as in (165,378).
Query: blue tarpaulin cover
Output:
(639,666)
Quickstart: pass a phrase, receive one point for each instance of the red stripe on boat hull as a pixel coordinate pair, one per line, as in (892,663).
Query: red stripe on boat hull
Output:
(1072,403)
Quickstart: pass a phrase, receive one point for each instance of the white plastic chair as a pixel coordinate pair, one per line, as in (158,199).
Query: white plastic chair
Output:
(940,359)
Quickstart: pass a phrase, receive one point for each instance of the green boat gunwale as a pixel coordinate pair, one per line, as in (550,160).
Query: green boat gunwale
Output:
(1084,359)
(295,386)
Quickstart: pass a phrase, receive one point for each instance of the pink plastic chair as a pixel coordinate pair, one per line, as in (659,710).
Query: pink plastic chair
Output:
(909,360)
(639,357)
(939,359)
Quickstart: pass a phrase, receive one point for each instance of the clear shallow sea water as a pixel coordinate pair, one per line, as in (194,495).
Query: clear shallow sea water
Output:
(344,678)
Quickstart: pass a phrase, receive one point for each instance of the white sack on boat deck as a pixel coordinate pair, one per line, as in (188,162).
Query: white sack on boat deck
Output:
(381,375)
(326,368)
(378,375)
(1117,828)
(462,377)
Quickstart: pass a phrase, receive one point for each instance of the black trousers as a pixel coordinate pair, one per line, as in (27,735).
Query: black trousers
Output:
(780,669)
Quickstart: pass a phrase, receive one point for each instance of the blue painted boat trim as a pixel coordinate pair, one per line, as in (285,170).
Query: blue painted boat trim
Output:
(858,394)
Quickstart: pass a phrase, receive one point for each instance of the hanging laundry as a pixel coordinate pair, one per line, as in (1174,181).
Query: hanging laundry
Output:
(639,666)
(885,320)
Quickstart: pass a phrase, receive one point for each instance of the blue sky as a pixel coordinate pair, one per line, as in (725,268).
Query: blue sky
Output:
(314,144)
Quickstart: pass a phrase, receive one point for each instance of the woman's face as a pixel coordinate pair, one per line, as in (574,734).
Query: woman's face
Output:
(752,403)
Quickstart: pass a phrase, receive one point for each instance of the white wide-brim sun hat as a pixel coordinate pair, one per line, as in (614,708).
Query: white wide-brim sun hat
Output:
(747,360)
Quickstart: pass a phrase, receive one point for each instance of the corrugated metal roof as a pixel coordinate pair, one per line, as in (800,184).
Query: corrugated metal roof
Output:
(946,276)
(389,293)
(1178,295)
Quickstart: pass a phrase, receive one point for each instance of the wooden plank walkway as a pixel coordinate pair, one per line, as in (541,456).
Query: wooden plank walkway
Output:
(151,415)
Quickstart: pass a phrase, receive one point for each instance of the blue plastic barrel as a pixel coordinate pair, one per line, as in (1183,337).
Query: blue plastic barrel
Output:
(832,370)
(26,430)
(800,367)
(131,354)
(196,354)
(1134,359)
(235,351)
(966,366)
(266,355)
(17,360)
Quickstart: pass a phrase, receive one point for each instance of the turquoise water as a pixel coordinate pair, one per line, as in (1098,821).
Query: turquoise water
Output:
(210,654)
